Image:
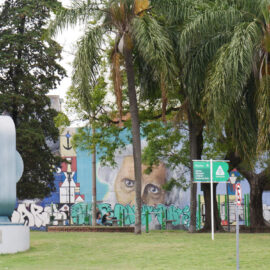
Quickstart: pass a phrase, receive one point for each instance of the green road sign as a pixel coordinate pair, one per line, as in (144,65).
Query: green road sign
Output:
(201,171)
(220,171)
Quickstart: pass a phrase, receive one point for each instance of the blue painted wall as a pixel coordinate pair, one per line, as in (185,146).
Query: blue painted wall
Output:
(84,176)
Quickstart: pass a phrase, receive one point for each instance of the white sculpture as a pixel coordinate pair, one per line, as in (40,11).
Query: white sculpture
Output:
(13,237)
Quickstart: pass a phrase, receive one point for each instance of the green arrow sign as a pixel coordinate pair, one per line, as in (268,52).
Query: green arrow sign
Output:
(201,171)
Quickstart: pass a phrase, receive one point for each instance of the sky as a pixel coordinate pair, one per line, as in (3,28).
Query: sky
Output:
(67,39)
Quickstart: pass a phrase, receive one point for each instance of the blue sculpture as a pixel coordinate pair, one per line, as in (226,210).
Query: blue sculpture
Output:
(11,165)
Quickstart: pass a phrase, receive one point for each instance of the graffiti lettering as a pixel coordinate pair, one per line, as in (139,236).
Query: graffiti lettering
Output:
(81,213)
(36,216)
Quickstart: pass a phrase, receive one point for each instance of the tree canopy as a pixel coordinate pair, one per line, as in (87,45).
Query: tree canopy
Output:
(28,70)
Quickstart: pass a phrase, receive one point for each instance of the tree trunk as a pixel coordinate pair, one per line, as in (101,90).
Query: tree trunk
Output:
(256,204)
(256,183)
(94,181)
(207,200)
(196,146)
(136,140)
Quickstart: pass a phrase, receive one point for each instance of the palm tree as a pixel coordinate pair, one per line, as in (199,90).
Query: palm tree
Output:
(231,38)
(176,14)
(134,29)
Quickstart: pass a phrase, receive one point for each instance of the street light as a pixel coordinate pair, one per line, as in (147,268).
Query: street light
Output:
(232,179)
(69,172)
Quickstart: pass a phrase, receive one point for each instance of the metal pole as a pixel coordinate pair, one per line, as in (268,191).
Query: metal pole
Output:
(51,217)
(229,226)
(248,210)
(121,219)
(94,185)
(219,206)
(212,198)
(237,238)
(226,208)
(163,221)
(245,208)
(147,222)
(199,210)
(69,203)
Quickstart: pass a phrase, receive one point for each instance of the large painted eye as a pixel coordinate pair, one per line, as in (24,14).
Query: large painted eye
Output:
(129,183)
(153,189)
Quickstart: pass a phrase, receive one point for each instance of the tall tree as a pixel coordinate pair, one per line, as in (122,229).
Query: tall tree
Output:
(175,15)
(28,70)
(133,27)
(231,39)
(87,103)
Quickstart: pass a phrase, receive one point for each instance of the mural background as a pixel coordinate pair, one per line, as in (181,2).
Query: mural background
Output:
(115,191)
(74,189)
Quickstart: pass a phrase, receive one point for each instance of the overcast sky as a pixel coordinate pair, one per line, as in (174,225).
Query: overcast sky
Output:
(68,41)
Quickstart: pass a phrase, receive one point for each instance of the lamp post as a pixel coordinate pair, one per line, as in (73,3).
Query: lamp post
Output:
(69,172)
(232,180)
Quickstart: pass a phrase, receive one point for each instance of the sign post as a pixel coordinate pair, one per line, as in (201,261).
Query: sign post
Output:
(209,171)
(212,198)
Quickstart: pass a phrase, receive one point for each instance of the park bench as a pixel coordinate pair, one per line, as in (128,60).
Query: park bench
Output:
(115,222)
(61,221)
(169,224)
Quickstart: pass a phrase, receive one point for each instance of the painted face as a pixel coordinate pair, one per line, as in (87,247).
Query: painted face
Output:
(152,192)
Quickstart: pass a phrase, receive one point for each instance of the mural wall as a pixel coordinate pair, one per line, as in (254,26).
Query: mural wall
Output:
(38,217)
(115,191)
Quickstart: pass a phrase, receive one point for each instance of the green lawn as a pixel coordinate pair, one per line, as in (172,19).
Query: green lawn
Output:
(156,250)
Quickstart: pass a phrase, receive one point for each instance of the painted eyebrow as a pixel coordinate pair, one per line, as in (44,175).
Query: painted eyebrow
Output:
(126,178)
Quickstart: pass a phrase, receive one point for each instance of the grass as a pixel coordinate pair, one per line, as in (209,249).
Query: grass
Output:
(156,250)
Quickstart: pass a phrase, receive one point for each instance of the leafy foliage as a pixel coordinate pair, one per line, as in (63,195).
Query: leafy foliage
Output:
(28,70)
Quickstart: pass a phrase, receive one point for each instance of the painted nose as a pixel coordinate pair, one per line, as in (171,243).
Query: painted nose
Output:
(144,196)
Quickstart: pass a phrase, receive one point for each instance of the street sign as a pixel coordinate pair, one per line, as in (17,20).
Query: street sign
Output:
(220,171)
(201,171)
(210,171)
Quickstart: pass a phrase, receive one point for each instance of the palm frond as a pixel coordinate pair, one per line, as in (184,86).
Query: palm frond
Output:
(175,11)
(241,131)
(86,64)
(154,46)
(231,69)
(211,22)
(194,66)
(79,12)
(263,104)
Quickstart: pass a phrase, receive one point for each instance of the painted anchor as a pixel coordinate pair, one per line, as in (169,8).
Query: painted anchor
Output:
(68,136)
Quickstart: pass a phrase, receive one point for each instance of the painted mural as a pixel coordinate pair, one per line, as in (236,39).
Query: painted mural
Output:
(126,213)
(38,217)
(115,192)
